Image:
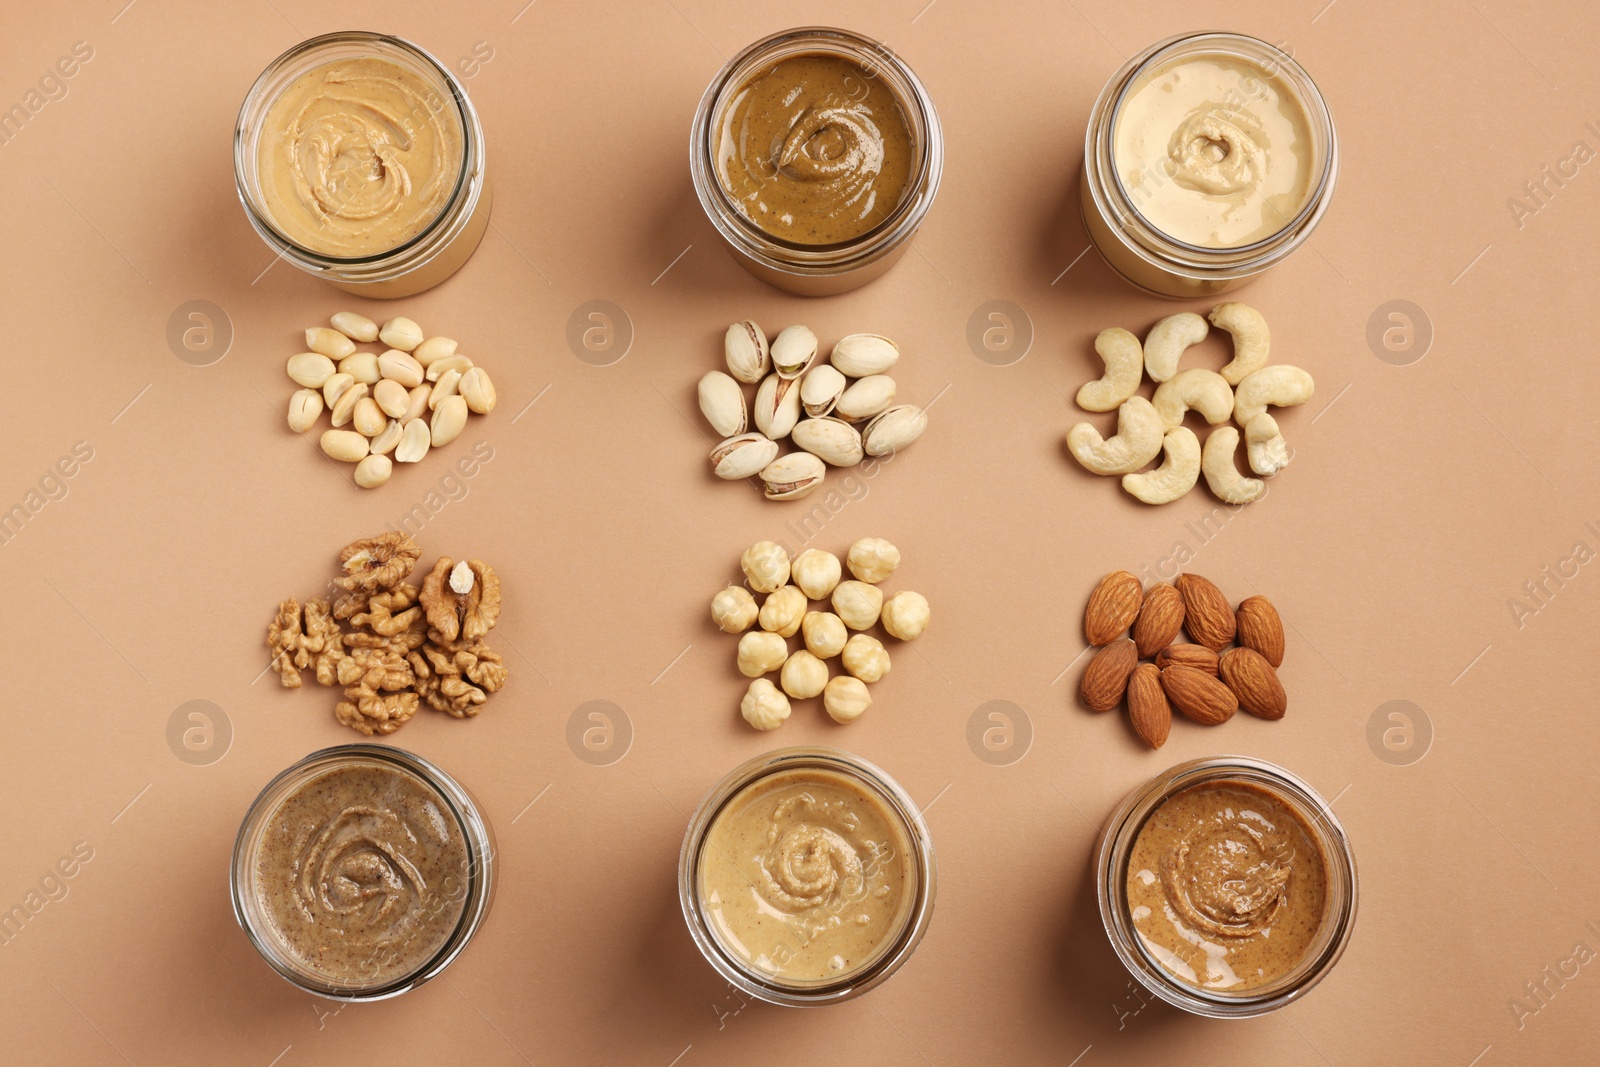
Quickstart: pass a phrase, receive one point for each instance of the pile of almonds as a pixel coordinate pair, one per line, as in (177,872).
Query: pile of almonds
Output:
(1206,680)
(384,397)
(847,403)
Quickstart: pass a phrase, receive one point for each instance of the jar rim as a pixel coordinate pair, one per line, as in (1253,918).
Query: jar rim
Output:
(457,801)
(1120,831)
(764,986)
(792,256)
(246,134)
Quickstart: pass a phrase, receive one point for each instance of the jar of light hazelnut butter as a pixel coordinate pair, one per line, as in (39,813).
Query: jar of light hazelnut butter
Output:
(1227,886)
(806,877)
(1208,159)
(816,153)
(359,158)
(361,872)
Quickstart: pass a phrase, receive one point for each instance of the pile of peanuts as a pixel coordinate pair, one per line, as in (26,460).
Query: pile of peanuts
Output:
(384,396)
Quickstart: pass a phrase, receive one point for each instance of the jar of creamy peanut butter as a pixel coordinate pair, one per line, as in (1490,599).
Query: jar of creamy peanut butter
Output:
(1208,159)
(1227,886)
(816,153)
(361,872)
(359,158)
(806,877)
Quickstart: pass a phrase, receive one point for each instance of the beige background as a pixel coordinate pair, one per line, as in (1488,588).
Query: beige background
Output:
(1424,496)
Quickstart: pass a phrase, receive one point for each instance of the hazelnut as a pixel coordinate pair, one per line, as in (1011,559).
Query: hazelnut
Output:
(872,559)
(858,604)
(763,706)
(825,634)
(845,698)
(866,658)
(766,565)
(761,651)
(905,615)
(804,675)
(783,612)
(733,609)
(816,573)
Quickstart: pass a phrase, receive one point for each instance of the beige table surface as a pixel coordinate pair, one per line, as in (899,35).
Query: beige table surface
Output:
(1431,486)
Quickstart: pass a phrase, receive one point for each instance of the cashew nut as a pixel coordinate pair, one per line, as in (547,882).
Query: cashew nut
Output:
(1221,475)
(1177,473)
(1137,440)
(1250,339)
(1197,388)
(1269,452)
(1124,360)
(1281,386)
(1164,344)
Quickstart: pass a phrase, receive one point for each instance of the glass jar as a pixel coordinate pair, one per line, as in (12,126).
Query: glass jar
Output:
(918,869)
(817,269)
(418,262)
(1115,845)
(349,848)
(1159,262)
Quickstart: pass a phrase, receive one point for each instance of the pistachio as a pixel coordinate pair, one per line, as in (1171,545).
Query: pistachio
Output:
(362,366)
(346,405)
(478,391)
(330,343)
(373,471)
(445,364)
(310,369)
(793,351)
(399,367)
(386,441)
(400,332)
(367,417)
(434,348)
(722,403)
(449,419)
(894,429)
(793,476)
(831,440)
(862,354)
(821,390)
(777,406)
(334,387)
(356,327)
(445,387)
(745,347)
(743,456)
(865,398)
(347,446)
(305,408)
(392,397)
(414,442)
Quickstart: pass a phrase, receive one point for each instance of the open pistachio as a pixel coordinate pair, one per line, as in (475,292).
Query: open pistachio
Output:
(793,476)
(865,398)
(777,406)
(745,348)
(793,351)
(821,390)
(831,440)
(863,354)
(722,403)
(744,455)
(894,429)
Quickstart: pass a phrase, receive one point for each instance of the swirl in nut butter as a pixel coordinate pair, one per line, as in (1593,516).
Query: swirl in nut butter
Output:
(363,874)
(358,156)
(814,150)
(1226,886)
(806,876)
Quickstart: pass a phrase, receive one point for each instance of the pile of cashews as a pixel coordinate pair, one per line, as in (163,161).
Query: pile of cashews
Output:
(1242,391)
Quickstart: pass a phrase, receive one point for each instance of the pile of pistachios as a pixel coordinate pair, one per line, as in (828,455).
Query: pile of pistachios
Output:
(836,413)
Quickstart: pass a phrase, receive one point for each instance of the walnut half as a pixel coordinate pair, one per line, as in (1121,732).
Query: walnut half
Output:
(375,563)
(462,599)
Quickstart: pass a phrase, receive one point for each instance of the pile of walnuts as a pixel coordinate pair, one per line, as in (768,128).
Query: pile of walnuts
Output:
(405,646)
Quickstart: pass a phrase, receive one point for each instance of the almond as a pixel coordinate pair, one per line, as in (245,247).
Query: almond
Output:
(1148,709)
(1112,607)
(1197,656)
(1261,628)
(1198,695)
(1207,616)
(1252,679)
(1106,677)
(1159,620)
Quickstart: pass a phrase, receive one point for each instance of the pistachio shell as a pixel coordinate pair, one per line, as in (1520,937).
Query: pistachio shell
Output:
(833,441)
(741,456)
(865,398)
(745,348)
(722,403)
(894,429)
(863,354)
(793,476)
(777,406)
(793,351)
(821,389)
